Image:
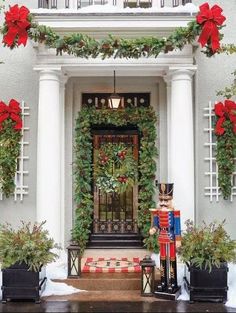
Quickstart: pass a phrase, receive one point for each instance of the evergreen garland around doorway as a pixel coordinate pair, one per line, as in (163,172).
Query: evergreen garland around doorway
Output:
(145,119)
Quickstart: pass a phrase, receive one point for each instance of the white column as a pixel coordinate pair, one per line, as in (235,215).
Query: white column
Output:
(49,153)
(62,123)
(181,145)
(168,100)
(156,4)
(73,4)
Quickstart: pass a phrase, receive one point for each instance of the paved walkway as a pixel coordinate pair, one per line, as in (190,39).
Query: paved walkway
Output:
(112,306)
(109,302)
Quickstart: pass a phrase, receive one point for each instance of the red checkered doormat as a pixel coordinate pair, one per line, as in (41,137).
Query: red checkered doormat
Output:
(111,265)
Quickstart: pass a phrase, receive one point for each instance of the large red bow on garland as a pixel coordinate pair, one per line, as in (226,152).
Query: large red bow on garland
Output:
(11,111)
(210,19)
(17,24)
(225,112)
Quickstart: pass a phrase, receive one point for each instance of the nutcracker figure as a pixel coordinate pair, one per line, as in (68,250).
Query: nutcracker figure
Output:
(166,221)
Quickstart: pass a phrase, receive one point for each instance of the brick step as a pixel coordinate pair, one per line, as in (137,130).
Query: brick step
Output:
(110,275)
(107,281)
(104,283)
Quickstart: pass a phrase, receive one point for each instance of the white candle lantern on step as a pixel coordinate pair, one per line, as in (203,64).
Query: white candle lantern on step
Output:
(74,261)
(148,276)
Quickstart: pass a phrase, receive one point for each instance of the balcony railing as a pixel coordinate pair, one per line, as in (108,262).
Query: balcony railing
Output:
(78,4)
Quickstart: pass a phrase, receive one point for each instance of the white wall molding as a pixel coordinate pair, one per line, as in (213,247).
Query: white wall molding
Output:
(155,24)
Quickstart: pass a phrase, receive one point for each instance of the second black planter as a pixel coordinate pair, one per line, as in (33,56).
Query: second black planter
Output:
(20,283)
(203,285)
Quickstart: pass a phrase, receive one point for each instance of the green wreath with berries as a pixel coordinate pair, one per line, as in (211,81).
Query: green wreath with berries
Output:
(116,169)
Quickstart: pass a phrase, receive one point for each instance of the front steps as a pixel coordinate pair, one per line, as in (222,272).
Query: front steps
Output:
(115,241)
(105,281)
(111,282)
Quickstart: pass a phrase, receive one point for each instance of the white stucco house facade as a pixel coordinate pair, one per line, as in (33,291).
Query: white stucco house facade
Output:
(181,84)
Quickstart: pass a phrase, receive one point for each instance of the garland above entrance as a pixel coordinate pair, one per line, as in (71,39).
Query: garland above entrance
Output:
(144,119)
(20,25)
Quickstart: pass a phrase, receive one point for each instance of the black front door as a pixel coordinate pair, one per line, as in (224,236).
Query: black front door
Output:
(115,212)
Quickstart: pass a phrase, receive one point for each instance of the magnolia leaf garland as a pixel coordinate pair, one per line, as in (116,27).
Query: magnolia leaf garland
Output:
(19,25)
(145,120)
(10,136)
(115,168)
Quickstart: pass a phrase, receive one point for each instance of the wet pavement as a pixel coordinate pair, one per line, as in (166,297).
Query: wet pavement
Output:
(114,306)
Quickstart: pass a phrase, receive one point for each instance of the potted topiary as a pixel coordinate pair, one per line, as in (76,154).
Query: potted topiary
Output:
(23,255)
(206,250)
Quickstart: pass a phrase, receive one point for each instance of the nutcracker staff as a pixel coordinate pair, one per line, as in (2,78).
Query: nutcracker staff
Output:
(166,221)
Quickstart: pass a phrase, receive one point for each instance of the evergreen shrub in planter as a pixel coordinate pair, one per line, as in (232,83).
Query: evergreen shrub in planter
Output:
(23,255)
(206,251)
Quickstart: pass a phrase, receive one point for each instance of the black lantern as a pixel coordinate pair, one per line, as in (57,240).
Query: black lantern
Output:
(74,261)
(148,276)
(115,99)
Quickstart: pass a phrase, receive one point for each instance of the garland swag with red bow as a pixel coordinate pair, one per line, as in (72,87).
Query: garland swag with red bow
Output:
(225,131)
(19,26)
(211,20)
(10,136)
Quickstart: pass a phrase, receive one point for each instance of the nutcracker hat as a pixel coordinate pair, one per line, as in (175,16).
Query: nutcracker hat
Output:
(165,191)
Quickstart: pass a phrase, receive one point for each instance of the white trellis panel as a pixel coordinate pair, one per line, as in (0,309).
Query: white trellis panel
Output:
(212,190)
(21,188)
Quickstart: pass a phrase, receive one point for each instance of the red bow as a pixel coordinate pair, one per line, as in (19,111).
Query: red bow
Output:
(11,111)
(211,19)
(225,112)
(17,25)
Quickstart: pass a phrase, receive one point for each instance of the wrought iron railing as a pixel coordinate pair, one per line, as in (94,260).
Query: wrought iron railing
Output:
(77,4)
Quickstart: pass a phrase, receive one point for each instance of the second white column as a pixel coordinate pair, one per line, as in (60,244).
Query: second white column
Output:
(181,146)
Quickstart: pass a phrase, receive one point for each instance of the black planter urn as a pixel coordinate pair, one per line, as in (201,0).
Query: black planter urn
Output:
(18,283)
(203,285)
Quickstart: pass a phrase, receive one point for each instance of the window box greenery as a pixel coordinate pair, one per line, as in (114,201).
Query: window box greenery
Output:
(206,250)
(23,255)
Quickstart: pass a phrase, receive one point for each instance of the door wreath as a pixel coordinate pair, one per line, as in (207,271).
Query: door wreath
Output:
(116,168)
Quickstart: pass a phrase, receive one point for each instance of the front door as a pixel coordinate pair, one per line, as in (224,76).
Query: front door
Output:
(115,212)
